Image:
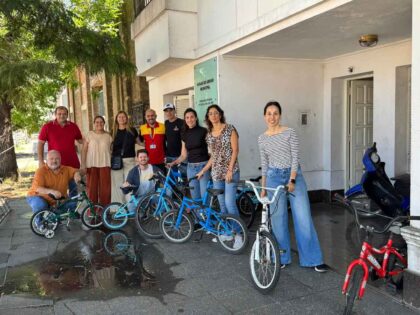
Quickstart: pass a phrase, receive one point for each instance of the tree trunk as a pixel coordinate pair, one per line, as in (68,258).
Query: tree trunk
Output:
(8,163)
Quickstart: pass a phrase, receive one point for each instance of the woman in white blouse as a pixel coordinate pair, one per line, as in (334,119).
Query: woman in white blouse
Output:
(96,159)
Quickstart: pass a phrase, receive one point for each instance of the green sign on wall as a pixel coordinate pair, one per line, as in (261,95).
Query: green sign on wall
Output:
(205,86)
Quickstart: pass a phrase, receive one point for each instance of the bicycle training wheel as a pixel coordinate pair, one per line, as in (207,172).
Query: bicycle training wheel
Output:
(356,279)
(116,243)
(264,262)
(92,216)
(148,216)
(232,234)
(175,234)
(247,208)
(43,221)
(115,216)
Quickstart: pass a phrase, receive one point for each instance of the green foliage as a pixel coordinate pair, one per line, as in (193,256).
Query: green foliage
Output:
(43,41)
(102,16)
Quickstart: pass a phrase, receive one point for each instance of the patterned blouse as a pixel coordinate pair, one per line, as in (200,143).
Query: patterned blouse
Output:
(221,152)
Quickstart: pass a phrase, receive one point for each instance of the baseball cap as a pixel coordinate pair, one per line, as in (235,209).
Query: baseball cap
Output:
(168,106)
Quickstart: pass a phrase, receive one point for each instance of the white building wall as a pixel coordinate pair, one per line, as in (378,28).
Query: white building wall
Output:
(176,80)
(382,62)
(246,85)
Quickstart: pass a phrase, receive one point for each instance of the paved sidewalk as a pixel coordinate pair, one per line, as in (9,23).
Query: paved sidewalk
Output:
(73,274)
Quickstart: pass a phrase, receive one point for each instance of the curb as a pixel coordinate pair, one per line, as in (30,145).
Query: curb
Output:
(4,209)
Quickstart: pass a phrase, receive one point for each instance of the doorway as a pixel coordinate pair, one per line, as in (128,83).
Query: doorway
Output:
(359,126)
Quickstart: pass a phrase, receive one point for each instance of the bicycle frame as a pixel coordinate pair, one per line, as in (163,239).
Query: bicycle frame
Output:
(367,259)
(133,199)
(212,217)
(79,198)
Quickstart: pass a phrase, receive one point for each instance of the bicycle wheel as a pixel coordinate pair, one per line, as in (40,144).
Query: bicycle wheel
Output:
(109,216)
(232,234)
(394,264)
(173,234)
(92,216)
(353,290)
(148,217)
(43,221)
(264,262)
(116,243)
(246,208)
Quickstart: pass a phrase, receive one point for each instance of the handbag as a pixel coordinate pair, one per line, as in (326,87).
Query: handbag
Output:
(117,160)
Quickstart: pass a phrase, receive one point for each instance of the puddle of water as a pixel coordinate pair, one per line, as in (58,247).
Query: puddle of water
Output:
(97,266)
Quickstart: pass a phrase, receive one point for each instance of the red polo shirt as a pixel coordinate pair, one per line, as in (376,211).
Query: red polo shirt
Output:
(154,141)
(62,139)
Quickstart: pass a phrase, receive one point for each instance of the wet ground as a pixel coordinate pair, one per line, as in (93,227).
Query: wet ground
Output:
(89,272)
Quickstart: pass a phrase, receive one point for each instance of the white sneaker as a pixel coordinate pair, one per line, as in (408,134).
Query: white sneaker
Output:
(223,238)
(238,242)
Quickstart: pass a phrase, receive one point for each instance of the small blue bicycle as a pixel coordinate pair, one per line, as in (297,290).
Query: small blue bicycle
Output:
(116,214)
(177,225)
(150,209)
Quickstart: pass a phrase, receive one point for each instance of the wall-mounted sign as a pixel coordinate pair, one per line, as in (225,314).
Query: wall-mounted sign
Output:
(205,86)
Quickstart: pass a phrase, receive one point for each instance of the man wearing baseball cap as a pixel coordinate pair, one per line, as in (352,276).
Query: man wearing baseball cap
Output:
(173,127)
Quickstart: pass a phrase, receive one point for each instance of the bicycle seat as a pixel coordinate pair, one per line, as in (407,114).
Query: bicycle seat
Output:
(215,192)
(128,189)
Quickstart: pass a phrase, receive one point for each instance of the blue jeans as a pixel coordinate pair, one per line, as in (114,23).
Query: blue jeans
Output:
(72,188)
(37,203)
(227,201)
(306,237)
(198,186)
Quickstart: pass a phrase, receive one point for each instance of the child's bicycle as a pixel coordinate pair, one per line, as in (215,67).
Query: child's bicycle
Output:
(116,214)
(45,222)
(150,210)
(389,267)
(177,226)
(264,261)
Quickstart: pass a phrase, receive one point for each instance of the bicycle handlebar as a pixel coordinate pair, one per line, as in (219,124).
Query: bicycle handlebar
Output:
(368,228)
(266,200)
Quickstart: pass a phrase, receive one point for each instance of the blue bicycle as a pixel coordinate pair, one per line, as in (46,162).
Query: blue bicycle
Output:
(116,214)
(177,226)
(150,209)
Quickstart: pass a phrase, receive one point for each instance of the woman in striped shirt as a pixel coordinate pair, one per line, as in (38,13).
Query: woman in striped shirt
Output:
(279,149)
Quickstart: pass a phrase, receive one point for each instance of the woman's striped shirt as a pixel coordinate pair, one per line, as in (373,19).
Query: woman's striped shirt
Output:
(279,151)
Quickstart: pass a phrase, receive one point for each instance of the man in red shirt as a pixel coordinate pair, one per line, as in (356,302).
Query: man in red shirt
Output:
(153,135)
(61,135)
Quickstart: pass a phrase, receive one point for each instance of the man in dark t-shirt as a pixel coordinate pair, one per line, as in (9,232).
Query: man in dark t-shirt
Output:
(173,127)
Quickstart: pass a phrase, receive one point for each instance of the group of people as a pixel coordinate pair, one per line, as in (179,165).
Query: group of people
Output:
(202,153)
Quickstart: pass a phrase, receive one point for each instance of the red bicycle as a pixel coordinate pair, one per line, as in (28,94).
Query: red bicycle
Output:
(389,263)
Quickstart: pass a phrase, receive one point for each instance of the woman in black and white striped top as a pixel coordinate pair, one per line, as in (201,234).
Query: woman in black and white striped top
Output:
(279,150)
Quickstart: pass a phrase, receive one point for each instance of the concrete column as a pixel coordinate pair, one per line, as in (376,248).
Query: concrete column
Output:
(411,233)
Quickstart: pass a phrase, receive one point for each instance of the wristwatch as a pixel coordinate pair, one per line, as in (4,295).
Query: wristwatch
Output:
(292,180)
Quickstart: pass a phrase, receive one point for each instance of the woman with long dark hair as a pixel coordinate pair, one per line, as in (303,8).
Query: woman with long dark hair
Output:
(125,138)
(279,150)
(194,148)
(222,139)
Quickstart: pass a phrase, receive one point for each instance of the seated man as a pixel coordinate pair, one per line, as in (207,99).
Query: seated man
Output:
(52,178)
(139,176)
